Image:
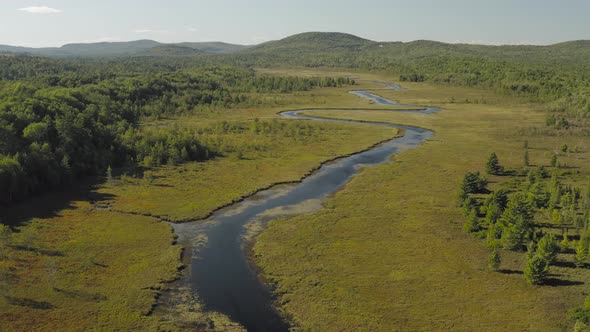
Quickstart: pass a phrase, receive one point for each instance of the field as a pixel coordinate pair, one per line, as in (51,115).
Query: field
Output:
(388,253)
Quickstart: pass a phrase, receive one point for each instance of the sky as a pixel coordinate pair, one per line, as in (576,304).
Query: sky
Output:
(46,23)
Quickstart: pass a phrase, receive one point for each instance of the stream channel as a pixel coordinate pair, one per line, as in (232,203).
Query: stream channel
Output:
(219,270)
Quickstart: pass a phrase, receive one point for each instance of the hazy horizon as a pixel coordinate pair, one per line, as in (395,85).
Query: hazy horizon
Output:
(53,23)
(222,41)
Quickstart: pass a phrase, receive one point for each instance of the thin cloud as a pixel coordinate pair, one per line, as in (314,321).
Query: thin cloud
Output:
(191,29)
(40,10)
(143,30)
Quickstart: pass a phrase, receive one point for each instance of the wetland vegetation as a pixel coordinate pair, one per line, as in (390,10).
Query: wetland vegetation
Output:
(99,154)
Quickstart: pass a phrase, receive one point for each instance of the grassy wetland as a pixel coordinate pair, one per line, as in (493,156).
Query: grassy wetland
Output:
(68,259)
(99,156)
(388,252)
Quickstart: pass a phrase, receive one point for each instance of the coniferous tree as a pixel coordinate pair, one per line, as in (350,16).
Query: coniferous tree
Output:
(472,225)
(494,260)
(581,252)
(536,270)
(493,166)
(547,248)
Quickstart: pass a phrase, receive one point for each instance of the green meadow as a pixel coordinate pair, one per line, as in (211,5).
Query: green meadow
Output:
(388,252)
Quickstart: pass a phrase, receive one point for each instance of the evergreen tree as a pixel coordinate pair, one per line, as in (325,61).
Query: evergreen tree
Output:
(547,248)
(539,198)
(493,166)
(555,192)
(536,270)
(514,235)
(473,183)
(493,213)
(564,245)
(494,260)
(581,252)
(516,222)
(472,225)
(469,205)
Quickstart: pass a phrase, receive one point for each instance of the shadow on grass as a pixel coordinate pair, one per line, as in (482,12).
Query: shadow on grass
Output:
(29,303)
(507,271)
(49,204)
(570,265)
(555,282)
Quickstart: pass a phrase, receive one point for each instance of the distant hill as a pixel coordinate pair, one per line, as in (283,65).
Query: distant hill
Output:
(169,50)
(327,48)
(215,47)
(330,48)
(316,41)
(132,48)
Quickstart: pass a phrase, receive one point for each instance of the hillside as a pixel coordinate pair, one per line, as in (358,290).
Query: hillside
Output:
(316,42)
(131,48)
(330,43)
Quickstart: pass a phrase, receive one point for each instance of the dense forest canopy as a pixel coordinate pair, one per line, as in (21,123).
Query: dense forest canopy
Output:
(60,120)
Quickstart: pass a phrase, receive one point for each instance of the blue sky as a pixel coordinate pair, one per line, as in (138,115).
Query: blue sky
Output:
(56,22)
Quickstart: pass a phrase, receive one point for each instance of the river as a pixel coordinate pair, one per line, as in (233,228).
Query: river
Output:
(219,271)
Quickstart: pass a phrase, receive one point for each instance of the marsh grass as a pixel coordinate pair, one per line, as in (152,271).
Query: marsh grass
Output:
(96,260)
(388,253)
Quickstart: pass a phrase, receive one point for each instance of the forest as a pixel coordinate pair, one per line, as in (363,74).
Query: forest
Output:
(59,122)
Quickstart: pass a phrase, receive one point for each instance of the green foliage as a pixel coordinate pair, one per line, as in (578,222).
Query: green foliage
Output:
(547,248)
(564,148)
(555,192)
(494,260)
(518,207)
(564,244)
(516,222)
(473,223)
(76,121)
(473,183)
(553,162)
(469,204)
(536,270)
(582,313)
(538,195)
(493,165)
(581,252)
(493,213)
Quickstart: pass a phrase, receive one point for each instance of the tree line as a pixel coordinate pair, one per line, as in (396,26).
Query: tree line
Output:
(52,133)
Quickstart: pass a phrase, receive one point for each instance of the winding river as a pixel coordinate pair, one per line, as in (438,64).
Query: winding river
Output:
(219,270)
